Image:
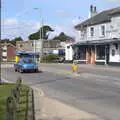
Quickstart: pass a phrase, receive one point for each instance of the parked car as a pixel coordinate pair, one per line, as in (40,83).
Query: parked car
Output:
(60,59)
(25,64)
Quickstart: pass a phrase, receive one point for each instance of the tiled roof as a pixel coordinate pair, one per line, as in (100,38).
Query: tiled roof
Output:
(102,17)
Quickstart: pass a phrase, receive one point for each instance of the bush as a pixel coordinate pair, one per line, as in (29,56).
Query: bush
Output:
(49,58)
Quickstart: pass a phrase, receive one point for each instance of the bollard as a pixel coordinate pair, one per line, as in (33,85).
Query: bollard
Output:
(74,67)
(10,108)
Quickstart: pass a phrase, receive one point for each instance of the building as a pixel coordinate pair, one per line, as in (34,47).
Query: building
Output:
(49,46)
(8,52)
(24,45)
(99,38)
(69,52)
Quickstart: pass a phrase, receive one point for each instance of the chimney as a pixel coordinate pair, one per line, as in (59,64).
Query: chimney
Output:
(93,11)
(91,8)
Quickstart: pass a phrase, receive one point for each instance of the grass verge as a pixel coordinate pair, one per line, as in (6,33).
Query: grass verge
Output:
(5,90)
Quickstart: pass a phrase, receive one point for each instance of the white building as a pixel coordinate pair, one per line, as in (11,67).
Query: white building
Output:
(68,52)
(99,38)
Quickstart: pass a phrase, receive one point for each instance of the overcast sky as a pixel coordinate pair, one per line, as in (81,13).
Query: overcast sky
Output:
(19,18)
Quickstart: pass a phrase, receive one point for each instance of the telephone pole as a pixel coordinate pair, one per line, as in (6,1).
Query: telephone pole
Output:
(41,32)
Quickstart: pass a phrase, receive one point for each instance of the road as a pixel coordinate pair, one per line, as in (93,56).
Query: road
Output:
(95,90)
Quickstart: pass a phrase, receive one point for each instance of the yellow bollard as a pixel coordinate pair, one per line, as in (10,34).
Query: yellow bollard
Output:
(74,67)
(17,59)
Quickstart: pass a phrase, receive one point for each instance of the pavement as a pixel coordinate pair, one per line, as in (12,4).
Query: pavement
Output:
(51,109)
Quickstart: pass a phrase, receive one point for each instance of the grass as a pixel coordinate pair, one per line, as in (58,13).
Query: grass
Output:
(4,93)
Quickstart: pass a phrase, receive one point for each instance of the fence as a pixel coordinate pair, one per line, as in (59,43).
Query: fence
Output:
(12,102)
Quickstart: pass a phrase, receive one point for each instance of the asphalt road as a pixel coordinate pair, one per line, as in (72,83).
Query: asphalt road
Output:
(96,90)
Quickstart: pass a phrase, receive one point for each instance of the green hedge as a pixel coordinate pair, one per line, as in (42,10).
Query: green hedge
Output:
(49,58)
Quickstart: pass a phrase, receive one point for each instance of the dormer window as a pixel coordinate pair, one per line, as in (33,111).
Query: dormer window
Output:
(92,31)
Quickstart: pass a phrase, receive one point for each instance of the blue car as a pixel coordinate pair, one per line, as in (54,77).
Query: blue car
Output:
(25,65)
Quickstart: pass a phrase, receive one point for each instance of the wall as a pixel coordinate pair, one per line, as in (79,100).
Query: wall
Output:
(37,45)
(10,53)
(4,53)
(116,57)
(24,45)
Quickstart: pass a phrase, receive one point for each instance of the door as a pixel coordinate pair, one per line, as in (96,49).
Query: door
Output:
(89,55)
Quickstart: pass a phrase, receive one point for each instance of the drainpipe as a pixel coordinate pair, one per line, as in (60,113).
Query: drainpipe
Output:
(105,55)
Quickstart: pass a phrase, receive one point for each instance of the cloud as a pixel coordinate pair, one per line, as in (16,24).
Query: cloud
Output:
(67,29)
(12,27)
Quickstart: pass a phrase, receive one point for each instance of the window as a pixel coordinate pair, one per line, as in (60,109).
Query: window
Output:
(113,52)
(21,45)
(68,47)
(4,50)
(4,57)
(103,30)
(91,31)
(100,49)
(80,53)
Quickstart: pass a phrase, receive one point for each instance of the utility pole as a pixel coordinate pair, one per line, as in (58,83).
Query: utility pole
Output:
(0,53)
(41,33)
(41,38)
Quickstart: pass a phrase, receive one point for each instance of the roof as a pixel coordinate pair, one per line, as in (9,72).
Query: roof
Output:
(97,42)
(8,44)
(102,17)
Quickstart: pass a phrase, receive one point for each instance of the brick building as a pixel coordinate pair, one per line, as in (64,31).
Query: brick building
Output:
(8,52)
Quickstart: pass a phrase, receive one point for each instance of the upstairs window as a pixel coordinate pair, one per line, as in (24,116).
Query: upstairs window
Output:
(92,31)
(103,30)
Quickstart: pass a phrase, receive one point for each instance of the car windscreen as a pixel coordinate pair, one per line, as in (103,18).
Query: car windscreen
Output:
(28,61)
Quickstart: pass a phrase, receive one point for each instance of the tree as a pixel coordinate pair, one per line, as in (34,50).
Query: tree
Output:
(5,40)
(13,41)
(43,31)
(62,37)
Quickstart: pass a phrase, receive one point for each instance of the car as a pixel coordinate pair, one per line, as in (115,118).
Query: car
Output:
(26,64)
(59,59)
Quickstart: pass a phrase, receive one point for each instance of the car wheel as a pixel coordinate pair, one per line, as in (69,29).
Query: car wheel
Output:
(20,70)
(36,70)
(15,70)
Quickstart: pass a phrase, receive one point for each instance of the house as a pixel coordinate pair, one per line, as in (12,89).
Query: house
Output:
(99,38)
(8,51)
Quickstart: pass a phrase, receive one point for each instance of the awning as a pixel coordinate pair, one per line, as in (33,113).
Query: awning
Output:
(95,42)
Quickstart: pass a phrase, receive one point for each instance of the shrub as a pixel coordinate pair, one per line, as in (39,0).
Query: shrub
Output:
(49,58)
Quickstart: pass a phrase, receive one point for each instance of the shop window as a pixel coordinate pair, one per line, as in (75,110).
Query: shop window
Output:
(100,52)
(80,53)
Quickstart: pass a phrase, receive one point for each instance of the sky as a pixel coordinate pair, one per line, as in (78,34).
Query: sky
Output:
(21,18)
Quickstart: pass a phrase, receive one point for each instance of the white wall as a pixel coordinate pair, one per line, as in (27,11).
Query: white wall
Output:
(37,45)
(68,52)
(116,57)
(4,54)
(112,30)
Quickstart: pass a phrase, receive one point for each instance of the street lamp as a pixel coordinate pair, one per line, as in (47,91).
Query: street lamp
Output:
(41,33)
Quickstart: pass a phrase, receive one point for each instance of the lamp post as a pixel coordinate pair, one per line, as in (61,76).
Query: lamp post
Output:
(41,33)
